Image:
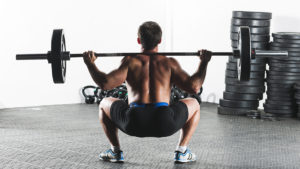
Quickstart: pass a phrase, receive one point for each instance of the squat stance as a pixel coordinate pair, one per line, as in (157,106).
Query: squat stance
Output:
(149,79)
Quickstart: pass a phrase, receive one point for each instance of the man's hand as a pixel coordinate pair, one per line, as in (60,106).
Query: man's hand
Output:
(205,55)
(89,57)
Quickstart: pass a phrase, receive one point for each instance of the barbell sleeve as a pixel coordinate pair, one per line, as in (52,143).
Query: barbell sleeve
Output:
(270,54)
(37,56)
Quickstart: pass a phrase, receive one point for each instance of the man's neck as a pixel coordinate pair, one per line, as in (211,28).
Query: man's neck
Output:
(154,50)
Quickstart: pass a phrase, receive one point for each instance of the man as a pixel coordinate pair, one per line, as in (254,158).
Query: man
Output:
(149,79)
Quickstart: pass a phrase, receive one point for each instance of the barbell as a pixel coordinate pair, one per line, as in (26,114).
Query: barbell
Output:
(58,56)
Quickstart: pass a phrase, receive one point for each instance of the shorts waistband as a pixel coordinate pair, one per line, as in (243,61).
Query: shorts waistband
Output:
(158,104)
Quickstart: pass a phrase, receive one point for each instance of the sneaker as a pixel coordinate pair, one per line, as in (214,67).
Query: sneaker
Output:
(109,155)
(185,157)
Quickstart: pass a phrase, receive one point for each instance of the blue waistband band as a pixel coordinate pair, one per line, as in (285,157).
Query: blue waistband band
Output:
(158,104)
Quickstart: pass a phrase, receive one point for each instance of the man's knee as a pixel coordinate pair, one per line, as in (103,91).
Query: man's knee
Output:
(194,104)
(105,105)
(103,108)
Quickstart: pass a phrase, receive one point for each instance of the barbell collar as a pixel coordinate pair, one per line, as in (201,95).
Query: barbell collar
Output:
(236,53)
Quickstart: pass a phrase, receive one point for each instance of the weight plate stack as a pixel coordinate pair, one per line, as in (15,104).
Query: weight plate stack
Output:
(282,75)
(240,97)
(297,97)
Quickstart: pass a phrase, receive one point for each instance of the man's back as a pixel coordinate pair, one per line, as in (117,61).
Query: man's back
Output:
(148,79)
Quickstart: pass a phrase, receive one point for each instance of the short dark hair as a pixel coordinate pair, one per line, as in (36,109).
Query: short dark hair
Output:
(150,35)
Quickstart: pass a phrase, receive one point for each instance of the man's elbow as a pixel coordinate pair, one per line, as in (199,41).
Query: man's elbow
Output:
(195,89)
(192,90)
(105,86)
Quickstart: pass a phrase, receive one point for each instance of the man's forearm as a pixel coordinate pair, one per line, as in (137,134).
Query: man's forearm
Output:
(198,77)
(98,76)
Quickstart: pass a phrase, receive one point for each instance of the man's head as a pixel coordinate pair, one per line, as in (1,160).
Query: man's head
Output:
(149,35)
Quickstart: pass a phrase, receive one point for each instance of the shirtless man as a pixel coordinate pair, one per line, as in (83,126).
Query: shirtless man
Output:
(149,79)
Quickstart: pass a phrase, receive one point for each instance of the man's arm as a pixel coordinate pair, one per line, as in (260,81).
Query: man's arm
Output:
(191,84)
(106,81)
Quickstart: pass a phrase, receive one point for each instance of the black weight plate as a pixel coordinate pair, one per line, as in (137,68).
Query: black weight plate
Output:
(285,65)
(254,45)
(285,45)
(278,98)
(276,102)
(253,30)
(279,107)
(254,37)
(232,111)
(293,54)
(238,103)
(291,57)
(297,85)
(251,15)
(274,73)
(280,91)
(279,94)
(292,78)
(243,63)
(293,41)
(253,68)
(250,22)
(253,75)
(287,35)
(283,61)
(297,97)
(281,113)
(290,53)
(277,89)
(239,96)
(284,69)
(291,82)
(244,89)
(251,82)
(283,86)
(285,49)
(59,66)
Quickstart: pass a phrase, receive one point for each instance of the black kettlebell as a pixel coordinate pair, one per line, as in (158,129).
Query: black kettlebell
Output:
(89,99)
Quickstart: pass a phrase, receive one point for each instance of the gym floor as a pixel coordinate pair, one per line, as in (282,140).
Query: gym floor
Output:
(70,136)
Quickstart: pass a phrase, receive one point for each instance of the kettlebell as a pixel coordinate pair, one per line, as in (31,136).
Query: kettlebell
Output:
(89,99)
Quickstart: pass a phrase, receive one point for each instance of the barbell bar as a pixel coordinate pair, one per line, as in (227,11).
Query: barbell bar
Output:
(58,56)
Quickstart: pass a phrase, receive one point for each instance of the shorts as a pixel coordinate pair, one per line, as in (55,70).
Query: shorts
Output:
(149,120)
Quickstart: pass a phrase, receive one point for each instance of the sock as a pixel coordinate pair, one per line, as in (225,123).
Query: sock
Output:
(115,149)
(181,148)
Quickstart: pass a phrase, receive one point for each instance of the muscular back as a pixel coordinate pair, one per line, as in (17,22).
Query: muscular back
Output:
(148,79)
